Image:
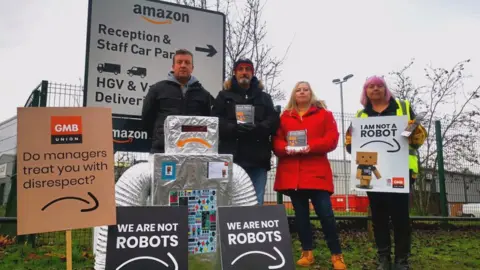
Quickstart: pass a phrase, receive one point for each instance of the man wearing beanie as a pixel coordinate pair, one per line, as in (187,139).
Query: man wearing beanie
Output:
(247,121)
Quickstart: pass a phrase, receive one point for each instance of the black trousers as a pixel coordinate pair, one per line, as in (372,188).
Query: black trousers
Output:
(394,207)
(323,208)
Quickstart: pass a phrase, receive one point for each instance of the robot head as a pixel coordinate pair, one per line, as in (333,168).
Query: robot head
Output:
(367,158)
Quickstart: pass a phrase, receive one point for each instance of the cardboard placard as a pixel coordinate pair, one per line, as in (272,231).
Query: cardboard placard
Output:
(380,155)
(65,169)
(148,237)
(255,237)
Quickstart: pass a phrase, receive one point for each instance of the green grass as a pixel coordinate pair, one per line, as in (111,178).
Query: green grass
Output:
(439,250)
(431,249)
(24,257)
(290,212)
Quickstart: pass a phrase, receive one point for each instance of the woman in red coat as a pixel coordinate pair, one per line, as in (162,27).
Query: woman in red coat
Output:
(304,172)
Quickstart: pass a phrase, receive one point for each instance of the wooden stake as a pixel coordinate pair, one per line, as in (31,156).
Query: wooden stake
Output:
(68,245)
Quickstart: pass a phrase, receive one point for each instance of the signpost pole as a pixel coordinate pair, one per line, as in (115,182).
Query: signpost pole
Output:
(346,173)
(68,245)
(345,170)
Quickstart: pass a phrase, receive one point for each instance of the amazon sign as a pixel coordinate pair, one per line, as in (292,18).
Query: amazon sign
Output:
(155,15)
(129,136)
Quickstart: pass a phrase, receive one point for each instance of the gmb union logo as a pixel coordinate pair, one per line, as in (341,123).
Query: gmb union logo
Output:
(159,15)
(66,129)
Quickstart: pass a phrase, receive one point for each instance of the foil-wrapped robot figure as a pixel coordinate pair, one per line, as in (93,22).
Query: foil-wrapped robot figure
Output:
(190,172)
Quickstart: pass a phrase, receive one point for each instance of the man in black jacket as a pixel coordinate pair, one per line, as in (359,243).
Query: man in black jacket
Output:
(248,140)
(180,94)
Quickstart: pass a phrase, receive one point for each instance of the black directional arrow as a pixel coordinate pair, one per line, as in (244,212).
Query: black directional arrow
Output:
(75,198)
(210,50)
(390,151)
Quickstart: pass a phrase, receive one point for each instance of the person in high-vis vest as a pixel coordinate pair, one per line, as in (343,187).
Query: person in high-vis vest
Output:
(377,100)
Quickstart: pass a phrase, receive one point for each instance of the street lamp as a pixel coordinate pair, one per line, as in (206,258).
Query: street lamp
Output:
(347,182)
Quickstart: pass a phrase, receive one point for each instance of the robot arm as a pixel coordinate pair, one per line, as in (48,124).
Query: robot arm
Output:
(377,173)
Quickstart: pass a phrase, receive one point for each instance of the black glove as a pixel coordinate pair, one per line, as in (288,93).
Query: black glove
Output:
(245,128)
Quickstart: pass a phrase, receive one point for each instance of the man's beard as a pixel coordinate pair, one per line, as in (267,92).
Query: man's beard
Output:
(244,81)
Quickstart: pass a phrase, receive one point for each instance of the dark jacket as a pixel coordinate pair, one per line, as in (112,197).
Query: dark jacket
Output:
(253,149)
(166,98)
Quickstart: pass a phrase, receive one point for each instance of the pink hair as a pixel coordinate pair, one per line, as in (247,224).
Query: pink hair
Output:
(374,80)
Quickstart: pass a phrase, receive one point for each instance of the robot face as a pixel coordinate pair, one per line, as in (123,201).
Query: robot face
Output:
(367,158)
(191,134)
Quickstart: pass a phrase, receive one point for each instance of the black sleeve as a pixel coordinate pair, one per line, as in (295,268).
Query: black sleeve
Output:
(210,101)
(269,126)
(148,110)
(412,112)
(226,128)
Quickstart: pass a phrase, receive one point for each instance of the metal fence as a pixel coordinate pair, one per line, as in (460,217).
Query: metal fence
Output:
(458,182)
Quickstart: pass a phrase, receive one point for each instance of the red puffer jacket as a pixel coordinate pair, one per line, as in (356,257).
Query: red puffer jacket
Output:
(312,170)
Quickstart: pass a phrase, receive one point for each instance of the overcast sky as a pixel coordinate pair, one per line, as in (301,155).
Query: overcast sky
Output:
(46,40)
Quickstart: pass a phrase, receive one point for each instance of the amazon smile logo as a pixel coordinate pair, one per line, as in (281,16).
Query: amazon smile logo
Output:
(182,143)
(159,16)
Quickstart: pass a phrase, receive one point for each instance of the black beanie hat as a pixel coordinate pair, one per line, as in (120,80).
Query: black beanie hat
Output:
(243,61)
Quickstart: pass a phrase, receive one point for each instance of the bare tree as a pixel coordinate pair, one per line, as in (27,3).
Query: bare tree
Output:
(246,37)
(443,98)
(213,5)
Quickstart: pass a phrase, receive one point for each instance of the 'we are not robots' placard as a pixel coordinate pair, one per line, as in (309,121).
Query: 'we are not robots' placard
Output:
(255,237)
(148,237)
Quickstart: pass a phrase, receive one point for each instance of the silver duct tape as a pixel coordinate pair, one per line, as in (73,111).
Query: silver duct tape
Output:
(191,134)
(135,185)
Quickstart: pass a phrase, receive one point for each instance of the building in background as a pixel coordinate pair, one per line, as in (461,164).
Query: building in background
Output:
(8,149)
(7,162)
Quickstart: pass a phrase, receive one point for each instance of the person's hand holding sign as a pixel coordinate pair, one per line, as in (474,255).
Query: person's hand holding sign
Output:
(305,150)
(418,137)
(293,151)
(415,132)
(246,127)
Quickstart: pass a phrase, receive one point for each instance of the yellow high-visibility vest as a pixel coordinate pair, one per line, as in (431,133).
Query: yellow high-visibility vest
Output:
(403,109)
